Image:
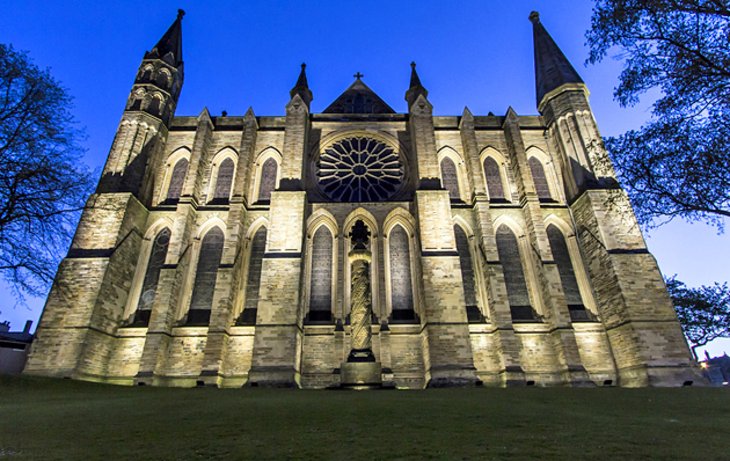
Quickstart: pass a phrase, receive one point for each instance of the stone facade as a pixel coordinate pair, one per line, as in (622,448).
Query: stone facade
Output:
(561,289)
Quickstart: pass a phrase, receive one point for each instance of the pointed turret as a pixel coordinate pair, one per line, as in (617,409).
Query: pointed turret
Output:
(169,48)
(416,88)
(302,87)
(552,68)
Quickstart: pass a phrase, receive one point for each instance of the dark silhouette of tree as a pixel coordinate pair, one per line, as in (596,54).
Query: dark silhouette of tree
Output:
(677,164)
(43,183)
(703,312)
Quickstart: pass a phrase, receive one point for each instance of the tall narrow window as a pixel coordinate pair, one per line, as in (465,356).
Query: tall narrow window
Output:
(401,284)
(268,180)
(151,277)
(514,276)
(255,260)
(223,181)
(211,250)
(538,176)
(320,294)
(450,178)
(567,274)
(494,179)
(467,276)
(177,179)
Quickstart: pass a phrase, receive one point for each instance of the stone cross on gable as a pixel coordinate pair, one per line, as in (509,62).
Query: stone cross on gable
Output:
(358,75)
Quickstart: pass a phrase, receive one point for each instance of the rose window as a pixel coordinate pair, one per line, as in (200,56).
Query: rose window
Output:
(359,169)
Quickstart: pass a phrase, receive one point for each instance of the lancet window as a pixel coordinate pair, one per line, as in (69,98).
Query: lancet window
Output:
(495,188)
(267,183)
(209,258)
(568,280)
(467,275)
(514,275)
(224,180)
(320,293)
(253,281)
(401,282)
(450,178)
(538,176)
(177,179)
(151,278)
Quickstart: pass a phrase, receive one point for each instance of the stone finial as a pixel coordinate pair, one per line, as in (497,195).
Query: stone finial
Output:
(534,17)
(180,13)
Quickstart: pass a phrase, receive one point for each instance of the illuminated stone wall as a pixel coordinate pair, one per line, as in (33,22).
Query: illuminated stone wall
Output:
(628,334)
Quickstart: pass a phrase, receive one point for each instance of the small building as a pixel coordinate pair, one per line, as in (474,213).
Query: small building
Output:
(14,347)
(716,369)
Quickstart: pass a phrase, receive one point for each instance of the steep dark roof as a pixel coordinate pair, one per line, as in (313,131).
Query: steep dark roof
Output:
(552,68)
(171,42)
(358,98)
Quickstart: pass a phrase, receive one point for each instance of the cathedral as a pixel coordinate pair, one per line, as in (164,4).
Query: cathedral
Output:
(359,246)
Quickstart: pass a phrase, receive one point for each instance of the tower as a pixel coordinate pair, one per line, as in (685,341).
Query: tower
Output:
(647,342)
(82,314)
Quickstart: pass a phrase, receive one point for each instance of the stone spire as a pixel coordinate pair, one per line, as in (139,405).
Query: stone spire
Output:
(302,87)
(169,48)
(416,88)
(552,68)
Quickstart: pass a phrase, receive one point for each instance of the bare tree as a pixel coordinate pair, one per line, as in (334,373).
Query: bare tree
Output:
(678,163)
(43,182)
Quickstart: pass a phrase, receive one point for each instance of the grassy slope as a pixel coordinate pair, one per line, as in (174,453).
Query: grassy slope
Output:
(50,419)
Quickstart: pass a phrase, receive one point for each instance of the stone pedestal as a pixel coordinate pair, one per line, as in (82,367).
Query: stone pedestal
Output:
(361,375)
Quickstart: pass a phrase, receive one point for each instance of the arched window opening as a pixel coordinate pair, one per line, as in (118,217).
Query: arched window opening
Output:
(151,278)
(267,183)
(401,282)
(253,284)
(146,74)
(177,179)
(514,276)
(163,80)
(494,180)
(538,176)
(450,178)
(473,313)
(320,293)
(209,258)
(569,282)
(154,105)
(223,181)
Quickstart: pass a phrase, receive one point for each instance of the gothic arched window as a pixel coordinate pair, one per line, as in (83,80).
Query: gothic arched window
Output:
(494,179)
(401,283)
(514,276)
(253,281)
(209,258)
(467,275)
(267,183)
(151,277)
(177,179)
(320,293)
(538,176)
(561,254)
(450,178)
(224,180)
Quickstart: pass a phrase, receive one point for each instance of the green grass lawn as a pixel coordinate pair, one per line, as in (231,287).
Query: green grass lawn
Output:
(60,419)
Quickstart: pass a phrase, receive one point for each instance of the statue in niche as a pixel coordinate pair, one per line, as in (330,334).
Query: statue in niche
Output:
(361,307)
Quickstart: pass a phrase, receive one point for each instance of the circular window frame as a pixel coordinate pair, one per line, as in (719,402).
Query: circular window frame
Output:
(392,147)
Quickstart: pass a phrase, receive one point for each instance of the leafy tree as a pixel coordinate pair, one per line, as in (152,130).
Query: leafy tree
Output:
(677,164)
(703,312)
(43,183)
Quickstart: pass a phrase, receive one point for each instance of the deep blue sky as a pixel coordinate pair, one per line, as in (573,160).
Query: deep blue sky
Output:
(240,54)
